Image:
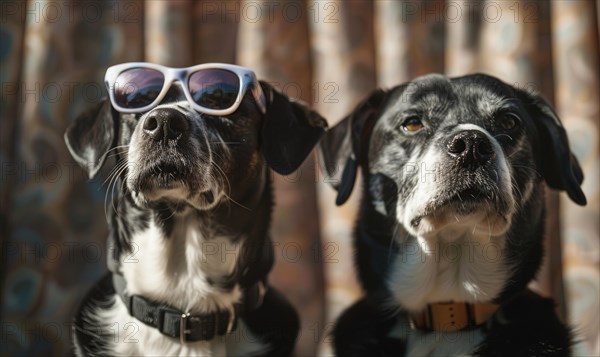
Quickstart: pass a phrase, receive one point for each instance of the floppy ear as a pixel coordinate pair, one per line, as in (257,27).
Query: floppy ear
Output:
(345,145)
(290,130)
(558,165)
(91,135)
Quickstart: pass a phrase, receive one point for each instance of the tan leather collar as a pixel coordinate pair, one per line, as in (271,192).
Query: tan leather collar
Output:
(453,316)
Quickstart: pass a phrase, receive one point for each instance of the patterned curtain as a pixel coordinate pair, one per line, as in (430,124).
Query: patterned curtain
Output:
(330,54)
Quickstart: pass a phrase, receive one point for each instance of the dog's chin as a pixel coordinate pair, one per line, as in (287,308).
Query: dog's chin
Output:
(177,192)
(452,217)
(177,196)
(173,183)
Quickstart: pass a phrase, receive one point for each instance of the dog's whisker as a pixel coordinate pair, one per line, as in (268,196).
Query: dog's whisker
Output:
(222,173)
(226,142)
(113,177)
(167,209)
(501,135)
(517,189)
(230,199)
(122,152)
(112,173)
(114,170)
(115,149)
(114,182)
(237,203)
(528,168)
(228,184)
(224,178)
(122,187)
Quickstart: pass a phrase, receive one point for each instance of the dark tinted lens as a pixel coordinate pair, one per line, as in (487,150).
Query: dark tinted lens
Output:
(214,88)
(138,87)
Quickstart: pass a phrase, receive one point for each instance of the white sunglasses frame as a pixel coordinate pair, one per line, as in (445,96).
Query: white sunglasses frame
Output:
(246,77)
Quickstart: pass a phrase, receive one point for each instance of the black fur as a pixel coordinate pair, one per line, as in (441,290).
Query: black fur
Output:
(372,138)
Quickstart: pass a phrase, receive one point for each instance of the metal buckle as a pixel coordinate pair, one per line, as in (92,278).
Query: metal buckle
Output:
(182,328)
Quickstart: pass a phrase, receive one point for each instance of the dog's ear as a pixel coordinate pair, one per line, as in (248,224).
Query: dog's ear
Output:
(558,165)
(345,145)
(290,130)
(91,136)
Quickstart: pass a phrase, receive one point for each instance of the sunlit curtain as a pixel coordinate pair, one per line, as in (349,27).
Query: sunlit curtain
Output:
(330,54)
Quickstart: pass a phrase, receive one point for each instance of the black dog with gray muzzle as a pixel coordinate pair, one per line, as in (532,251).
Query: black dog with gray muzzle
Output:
(450,227)
(189,245)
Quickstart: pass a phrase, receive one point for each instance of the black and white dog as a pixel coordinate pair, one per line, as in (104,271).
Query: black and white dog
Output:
(189,233)
(451,220)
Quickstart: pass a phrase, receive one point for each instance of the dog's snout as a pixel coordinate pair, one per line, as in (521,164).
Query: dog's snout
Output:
(471,147)
(166,124)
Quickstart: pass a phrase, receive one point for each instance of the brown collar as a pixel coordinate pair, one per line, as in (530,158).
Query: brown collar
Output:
(452,316)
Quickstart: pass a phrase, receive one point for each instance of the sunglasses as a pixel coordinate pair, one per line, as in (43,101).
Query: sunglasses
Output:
(211,88)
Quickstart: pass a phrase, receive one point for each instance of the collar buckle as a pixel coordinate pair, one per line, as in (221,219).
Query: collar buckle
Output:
(183,330)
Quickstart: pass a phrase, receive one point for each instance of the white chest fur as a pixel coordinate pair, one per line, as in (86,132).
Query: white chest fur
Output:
(468,268)
(178,270)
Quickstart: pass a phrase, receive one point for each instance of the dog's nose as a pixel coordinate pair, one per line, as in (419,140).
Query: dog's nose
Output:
(166,124)
(471,147)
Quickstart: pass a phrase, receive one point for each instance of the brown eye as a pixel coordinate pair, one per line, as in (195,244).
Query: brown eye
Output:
(509,122)
(412,124)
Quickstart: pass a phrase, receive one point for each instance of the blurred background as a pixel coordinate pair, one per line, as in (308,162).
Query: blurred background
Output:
(330,54)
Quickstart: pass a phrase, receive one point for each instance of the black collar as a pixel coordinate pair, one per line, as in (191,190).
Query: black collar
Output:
(179,324)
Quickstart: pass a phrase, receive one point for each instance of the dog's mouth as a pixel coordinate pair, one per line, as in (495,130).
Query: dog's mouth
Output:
(463,201)
(454,206)
(166,174)
(176,182)
(162,175)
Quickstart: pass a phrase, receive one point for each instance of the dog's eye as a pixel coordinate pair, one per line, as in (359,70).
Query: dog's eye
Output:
(509,122)
(412,124)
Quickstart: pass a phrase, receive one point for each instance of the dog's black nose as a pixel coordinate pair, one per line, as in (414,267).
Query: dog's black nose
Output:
(471,147)
(166,124)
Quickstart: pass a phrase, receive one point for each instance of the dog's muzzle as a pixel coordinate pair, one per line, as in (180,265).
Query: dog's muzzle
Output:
(164,149)
(170,158)
(471,185)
